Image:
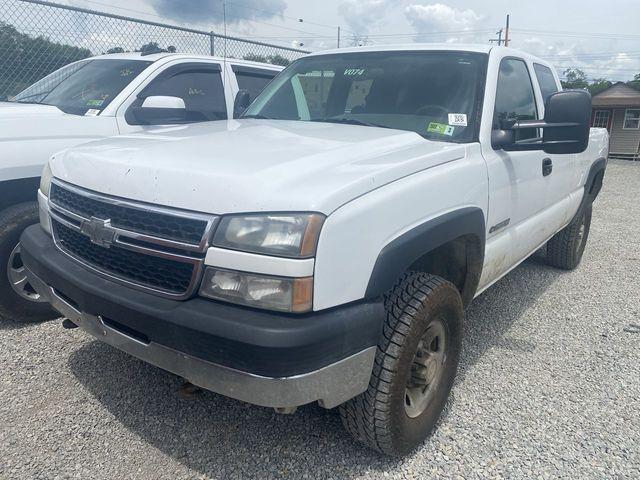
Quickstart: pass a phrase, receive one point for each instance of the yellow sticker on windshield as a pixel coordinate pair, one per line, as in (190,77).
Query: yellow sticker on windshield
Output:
(440,128)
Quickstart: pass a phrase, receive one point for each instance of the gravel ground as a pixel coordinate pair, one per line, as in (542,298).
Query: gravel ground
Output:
(548,388)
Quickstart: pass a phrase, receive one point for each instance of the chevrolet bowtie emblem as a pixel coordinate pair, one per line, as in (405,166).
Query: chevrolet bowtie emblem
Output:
(99,231)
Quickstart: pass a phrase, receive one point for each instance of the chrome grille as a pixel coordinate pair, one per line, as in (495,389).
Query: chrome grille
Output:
(151,248)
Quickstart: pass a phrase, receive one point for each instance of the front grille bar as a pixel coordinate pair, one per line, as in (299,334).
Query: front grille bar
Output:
(138,242)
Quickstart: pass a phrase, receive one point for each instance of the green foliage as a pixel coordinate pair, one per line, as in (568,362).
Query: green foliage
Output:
(273,59)
(598,85)
(25,59)
(574,78)
(635,83)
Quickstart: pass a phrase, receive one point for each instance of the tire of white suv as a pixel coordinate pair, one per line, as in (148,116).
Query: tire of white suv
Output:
(566,247)
(415,366)
(18,301)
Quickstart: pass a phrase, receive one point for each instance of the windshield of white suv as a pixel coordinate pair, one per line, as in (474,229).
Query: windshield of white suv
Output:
(435,94)
(83,88)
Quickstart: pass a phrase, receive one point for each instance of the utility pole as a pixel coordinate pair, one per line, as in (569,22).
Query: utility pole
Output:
(506,35)
(338,37)
(499,39)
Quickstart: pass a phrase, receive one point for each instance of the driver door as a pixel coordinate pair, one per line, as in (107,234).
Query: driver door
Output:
(516,182)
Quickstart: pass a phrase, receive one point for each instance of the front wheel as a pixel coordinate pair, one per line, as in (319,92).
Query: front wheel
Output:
(415,366)
(18,300)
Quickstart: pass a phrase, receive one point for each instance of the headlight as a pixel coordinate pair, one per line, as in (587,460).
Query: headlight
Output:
(45,180)
(285,235)
(260,291)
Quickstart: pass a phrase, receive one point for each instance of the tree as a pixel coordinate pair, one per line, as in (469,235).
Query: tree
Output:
(574,78)
(115,50)
(635,83)
(273,59)
(598,85)
(25,59)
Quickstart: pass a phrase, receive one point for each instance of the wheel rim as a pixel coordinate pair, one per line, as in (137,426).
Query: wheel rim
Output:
(426,369)
(18,277)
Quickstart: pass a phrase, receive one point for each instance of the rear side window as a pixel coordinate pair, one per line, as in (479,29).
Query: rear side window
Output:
(253,80)
(514,96)
(200,86)
(546,80)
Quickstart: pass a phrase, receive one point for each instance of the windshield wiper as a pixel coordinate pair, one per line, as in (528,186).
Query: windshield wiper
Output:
(258,117)
(350,121)
(44,94)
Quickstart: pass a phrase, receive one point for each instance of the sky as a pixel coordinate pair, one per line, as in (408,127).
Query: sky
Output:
(601,38)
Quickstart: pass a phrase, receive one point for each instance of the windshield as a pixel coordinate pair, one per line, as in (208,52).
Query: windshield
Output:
(435,94)
(83,88)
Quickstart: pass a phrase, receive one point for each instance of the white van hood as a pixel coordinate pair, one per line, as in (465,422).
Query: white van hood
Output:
(251,165)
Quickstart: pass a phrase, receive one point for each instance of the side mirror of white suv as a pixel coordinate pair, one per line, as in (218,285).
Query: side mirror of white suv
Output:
(161,101)
(160,110)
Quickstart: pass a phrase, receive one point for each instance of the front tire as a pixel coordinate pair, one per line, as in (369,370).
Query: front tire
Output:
(566,247)
(414,369)
(18,301)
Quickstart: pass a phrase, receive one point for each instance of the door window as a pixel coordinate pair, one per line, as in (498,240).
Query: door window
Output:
(546,80)
(253,80)
(514,97)
(199,85)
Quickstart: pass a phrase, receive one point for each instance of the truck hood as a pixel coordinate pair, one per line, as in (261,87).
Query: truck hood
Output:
(251,165)
(9,110)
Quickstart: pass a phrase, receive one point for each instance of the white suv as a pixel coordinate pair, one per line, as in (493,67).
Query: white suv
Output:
(324,246)
(103,96)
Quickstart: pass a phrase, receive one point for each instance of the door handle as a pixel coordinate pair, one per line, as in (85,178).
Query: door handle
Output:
(547,167)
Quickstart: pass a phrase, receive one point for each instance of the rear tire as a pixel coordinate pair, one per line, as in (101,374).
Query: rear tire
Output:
(565,249)
(414,369)
(18,301)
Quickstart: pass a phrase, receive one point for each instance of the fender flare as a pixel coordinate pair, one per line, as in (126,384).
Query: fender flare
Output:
(18,191)
(398,255)
(593,185)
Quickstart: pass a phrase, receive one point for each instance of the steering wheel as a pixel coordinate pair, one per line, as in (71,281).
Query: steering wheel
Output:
(425,109)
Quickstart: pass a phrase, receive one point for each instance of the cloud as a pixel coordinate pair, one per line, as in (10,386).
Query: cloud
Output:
(201,11)
(438,17)
(363,15)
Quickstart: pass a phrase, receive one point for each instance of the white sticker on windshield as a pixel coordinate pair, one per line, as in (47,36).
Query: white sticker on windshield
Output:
(92,112)
(458,119)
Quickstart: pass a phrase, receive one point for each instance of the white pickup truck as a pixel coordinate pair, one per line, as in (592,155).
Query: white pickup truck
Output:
(94,98)
(323,247)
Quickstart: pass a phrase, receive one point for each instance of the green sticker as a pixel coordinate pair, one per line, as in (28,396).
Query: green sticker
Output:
(95,103)
(440,128)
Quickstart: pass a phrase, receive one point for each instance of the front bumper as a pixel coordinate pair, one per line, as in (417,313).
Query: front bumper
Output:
(265,358)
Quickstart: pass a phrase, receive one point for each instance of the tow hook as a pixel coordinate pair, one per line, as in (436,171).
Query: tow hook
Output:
(68,324)
(286,410)
(189,390)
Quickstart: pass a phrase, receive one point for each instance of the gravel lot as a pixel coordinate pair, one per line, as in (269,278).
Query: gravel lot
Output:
(548,388)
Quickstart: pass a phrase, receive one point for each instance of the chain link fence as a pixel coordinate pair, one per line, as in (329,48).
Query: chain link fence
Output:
(38,37)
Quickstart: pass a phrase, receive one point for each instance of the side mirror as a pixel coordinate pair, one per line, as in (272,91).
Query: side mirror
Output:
(161,101)
(241,103)
(568,117)
(160,110)
(565,128)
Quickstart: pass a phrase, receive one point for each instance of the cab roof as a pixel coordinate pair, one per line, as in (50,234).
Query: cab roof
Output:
(154,57)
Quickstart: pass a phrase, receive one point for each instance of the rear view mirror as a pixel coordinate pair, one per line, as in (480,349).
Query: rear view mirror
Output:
(565,128)
(241,103)
(160,110)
